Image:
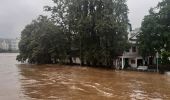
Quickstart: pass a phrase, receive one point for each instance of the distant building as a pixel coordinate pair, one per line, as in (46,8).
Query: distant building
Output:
(14,44)
(4,44)
(9,44)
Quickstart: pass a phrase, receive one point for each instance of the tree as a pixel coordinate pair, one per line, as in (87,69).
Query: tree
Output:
(42,42)
(155,30)
(93,30)
(97,28)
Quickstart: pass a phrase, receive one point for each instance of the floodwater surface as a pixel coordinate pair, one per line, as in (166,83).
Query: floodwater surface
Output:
(56,82)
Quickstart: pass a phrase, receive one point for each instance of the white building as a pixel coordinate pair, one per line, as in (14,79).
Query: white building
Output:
(9,44)
(4,45)
(130,57)
(14,44)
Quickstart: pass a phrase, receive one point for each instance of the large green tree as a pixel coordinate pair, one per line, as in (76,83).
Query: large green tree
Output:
(155,30)
(42,42)
(97,28)
(93,30)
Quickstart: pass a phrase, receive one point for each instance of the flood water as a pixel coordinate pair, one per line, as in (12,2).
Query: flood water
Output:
(54,82)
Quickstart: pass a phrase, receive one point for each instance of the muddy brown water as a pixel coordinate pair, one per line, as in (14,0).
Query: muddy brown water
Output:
(54,82)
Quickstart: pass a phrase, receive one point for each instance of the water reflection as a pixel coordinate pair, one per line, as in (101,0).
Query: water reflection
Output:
(75,83)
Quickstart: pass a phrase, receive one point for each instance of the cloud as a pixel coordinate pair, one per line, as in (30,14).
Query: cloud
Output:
(15,14)
(138,9)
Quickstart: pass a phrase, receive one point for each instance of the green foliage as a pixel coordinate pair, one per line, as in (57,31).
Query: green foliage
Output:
(165,57)
(41,42)
(93,30)
(155,30)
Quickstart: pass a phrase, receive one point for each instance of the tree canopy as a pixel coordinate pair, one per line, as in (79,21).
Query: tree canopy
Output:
(155,30)
(93,30)
(41,42)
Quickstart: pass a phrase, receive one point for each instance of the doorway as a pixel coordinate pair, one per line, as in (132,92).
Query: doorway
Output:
(139,62)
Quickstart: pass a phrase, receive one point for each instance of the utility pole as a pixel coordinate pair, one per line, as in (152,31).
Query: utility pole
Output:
(80,50)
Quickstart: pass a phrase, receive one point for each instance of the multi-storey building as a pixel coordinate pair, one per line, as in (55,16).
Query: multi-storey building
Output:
(130,57)
(9,44)
(14,44)
(4,44)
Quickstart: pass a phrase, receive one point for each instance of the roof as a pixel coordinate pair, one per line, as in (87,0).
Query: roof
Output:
(134,34)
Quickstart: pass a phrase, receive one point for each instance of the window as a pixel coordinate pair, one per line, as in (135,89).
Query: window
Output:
(133,61)
(133,49)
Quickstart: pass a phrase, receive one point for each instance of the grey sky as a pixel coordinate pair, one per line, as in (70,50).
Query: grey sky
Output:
(138,9)
(15,14)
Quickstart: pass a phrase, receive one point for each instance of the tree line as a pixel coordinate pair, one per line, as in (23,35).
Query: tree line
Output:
(95,31)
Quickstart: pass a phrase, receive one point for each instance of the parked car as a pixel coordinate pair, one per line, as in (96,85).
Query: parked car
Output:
(142,68)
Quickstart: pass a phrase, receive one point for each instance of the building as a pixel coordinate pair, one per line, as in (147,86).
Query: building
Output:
(130,57)
(4,44)
(9,44)
(14,44)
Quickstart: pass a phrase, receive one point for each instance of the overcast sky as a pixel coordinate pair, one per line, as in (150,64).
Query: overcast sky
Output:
(15,14)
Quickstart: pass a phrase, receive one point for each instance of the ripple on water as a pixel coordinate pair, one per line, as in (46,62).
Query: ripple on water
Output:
(100,90)
(77,88)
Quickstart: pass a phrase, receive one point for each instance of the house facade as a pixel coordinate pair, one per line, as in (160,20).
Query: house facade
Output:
(131,57)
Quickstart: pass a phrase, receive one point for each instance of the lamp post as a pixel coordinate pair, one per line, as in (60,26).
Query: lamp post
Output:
(123,61)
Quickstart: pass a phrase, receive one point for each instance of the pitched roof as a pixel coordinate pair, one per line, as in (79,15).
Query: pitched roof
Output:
(134,33)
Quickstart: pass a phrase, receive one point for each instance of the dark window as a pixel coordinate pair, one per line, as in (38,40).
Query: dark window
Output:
(133,49)
(133,61)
